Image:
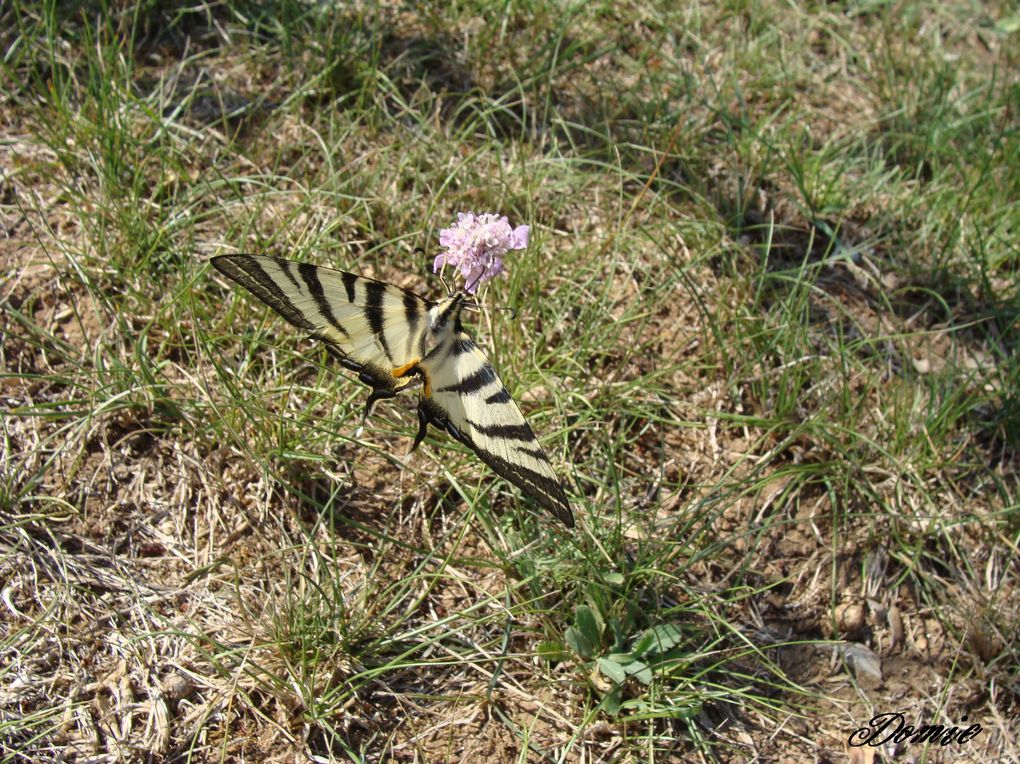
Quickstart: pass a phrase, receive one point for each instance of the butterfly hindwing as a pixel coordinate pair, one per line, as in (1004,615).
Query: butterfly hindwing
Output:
(466,397)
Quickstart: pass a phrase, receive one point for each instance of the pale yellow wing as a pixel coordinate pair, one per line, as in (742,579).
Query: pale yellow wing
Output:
(465,396)
(375,329)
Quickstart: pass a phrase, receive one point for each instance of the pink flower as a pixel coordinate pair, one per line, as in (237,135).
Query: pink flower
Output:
(476,244)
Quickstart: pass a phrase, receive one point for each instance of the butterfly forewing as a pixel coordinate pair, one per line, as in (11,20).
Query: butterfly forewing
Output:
(375,327)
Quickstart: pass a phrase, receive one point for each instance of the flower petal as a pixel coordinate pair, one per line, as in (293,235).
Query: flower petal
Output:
(475,245)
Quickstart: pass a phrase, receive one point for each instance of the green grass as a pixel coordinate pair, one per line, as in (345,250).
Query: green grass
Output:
(766,329)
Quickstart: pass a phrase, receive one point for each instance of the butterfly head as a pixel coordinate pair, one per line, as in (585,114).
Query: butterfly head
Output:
(445,314)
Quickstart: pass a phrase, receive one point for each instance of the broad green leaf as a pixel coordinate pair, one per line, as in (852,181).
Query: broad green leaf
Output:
(658,639)
(622,658)
(578,642)
(639,671)
(612,669)
(586,623)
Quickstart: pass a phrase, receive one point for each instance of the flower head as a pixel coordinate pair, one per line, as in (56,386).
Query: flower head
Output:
(475,244)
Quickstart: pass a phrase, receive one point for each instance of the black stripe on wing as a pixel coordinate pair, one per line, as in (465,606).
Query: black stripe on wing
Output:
(349,280)
(247,272)
(374,293)
(415,311)
(309,274)
(500,396)
(477,380)
(543,488)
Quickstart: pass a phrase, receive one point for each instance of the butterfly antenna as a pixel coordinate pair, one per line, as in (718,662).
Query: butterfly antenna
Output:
(421,251)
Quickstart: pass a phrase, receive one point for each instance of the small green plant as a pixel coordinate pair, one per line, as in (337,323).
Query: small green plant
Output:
(646,666)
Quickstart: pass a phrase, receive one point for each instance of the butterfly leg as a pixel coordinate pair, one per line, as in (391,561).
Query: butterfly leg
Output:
(423,428)
(377,394)
(427,415)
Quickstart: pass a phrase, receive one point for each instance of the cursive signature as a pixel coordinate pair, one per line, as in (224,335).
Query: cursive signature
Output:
(892,727)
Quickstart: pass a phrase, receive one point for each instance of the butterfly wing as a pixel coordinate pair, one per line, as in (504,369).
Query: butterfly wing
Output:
(389,336)
(375,329)
(466,397)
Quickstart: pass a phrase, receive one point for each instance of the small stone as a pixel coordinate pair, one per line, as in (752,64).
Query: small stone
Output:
(177,686)
(849,618)
(864,663)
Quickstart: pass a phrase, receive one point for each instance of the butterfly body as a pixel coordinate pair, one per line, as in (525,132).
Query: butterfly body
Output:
(392,338)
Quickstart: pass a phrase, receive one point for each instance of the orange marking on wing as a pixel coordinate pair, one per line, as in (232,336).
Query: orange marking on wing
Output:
(401,371)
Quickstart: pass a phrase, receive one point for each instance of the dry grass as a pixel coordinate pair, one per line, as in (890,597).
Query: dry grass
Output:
(767,329)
